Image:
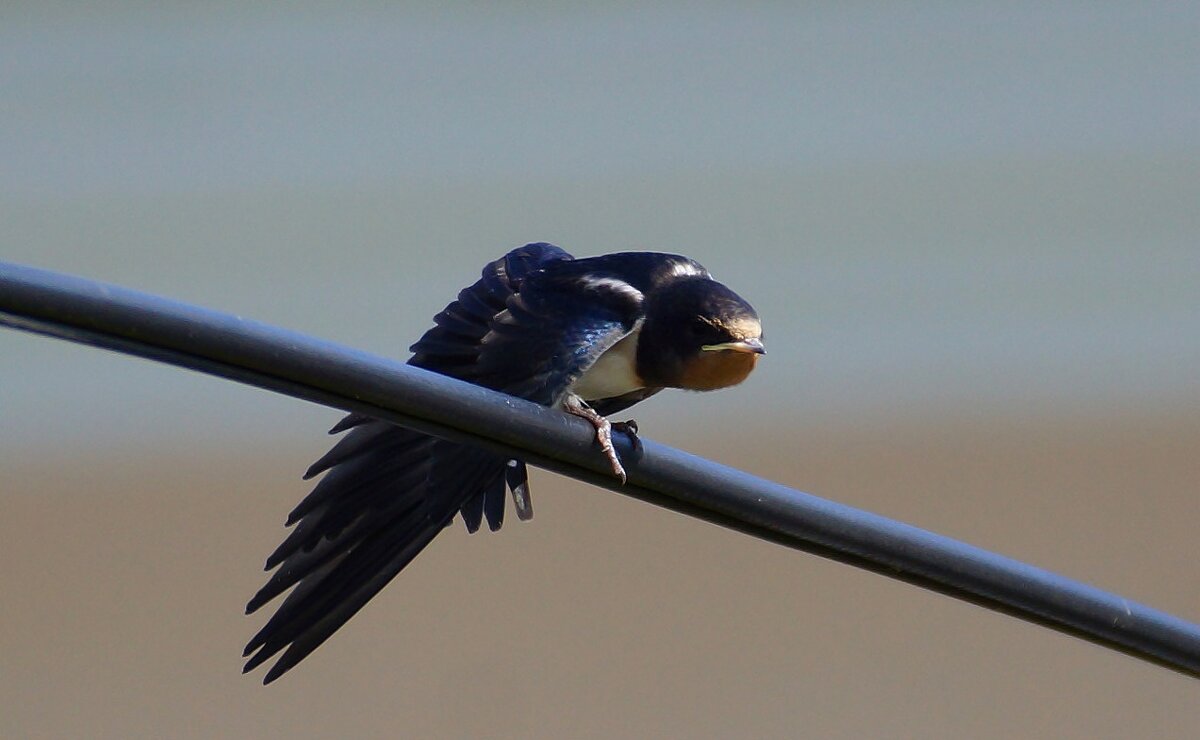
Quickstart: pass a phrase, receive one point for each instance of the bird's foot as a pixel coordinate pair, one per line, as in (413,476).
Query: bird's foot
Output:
(577,406)
(630,428)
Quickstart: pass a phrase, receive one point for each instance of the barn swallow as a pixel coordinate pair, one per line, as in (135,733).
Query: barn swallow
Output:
(590,336)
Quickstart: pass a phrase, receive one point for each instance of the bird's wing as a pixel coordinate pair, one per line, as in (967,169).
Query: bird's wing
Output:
(553,329)
(453,345)
(617,404)
(567,314)
(387,490)
(346,549)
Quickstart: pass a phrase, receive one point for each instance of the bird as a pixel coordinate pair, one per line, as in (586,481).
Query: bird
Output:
(590,336)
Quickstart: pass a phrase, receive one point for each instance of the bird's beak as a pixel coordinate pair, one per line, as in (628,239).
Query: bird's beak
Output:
(750,346)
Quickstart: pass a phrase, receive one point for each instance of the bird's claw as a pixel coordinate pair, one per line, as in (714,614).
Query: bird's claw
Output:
(604,436)
(578,407)
(630,428)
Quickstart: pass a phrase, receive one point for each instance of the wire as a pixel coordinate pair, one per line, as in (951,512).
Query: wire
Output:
(275,359)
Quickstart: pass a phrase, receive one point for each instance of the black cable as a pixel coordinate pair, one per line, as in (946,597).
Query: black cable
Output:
(135,323)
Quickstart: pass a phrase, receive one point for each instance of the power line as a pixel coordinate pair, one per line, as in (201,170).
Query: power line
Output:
(300,366)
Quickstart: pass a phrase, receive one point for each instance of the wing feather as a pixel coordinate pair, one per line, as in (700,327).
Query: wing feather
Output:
(388,491)
(554,330)
(533,323)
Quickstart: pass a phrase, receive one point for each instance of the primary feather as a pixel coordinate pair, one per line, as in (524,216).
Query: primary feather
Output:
(387,490)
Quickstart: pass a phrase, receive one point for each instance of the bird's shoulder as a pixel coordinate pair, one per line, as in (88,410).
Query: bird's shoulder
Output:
(452,346)
(642,272)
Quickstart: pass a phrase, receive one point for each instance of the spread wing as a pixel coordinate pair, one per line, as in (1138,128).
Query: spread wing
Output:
(387,490)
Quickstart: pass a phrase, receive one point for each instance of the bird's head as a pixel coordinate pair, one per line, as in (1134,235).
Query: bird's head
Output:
(699,335)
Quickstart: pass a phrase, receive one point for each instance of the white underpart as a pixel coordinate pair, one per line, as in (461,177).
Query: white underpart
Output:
(614,373)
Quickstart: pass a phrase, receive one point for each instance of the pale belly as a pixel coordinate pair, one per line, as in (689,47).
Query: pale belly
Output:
(614,374)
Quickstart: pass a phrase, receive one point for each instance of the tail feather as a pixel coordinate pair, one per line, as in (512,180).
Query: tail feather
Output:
(493,500)
(472,512)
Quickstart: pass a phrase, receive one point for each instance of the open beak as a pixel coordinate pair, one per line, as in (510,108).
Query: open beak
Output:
(750,346)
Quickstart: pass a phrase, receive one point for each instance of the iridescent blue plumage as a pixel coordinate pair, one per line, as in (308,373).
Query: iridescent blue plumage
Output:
(532,326)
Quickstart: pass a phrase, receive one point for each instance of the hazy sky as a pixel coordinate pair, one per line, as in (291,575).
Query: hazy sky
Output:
(947,206)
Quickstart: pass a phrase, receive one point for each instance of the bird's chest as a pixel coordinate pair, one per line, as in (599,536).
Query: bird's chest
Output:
(613,374)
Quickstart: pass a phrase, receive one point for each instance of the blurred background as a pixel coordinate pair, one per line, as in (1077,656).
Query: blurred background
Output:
(972,231)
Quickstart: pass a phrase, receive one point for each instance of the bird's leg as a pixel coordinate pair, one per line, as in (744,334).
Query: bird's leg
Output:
(573,404)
